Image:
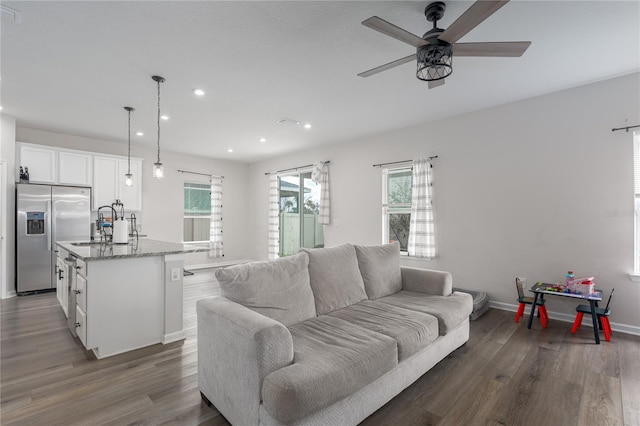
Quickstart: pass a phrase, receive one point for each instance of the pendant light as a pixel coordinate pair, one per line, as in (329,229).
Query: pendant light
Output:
(158,168)
(128,177)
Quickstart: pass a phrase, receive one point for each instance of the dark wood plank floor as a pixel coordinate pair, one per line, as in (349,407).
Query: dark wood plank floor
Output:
(504,375)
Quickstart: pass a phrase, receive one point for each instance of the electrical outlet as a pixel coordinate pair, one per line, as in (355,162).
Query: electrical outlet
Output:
(175,274)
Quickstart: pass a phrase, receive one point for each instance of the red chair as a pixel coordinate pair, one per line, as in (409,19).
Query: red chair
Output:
(522,300)
(603,317)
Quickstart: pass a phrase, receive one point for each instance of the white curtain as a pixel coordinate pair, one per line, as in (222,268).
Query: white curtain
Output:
(320,175)
(215,228)
(421,228)
(274,216)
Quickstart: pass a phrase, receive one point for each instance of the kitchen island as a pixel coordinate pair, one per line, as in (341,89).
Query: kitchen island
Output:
(122,297)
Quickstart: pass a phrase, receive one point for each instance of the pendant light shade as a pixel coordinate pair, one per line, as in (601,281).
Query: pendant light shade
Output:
(158,168)
(128,177)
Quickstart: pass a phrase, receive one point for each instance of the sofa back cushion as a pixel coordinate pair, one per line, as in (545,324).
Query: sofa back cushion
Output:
(335,278)
(380,269)
(279,289)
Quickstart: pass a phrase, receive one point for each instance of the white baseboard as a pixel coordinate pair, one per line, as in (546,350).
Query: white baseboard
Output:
(10,294)
(214,265)
(174,337)
(586,321)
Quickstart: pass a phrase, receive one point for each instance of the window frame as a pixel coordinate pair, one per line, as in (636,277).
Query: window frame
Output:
(188,216)
(398,208)
(300,174)
(636,206)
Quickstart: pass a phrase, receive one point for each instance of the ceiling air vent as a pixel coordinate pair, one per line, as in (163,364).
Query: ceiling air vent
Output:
(289,122)
(10,14)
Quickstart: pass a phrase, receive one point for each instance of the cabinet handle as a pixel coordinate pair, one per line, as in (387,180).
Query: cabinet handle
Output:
(77,324)
(60,274)
(77,291)
(78,267)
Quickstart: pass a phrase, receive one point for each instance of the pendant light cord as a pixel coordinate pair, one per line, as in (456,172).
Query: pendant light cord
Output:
(158,121)
(129,149)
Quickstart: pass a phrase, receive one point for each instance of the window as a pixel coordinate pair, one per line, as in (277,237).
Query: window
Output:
(197,212)
(299,207)
(396,205)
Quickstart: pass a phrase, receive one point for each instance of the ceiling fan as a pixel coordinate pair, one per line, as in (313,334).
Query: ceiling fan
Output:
(436,48)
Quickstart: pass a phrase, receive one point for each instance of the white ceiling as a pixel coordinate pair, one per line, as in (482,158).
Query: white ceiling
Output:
(71,67)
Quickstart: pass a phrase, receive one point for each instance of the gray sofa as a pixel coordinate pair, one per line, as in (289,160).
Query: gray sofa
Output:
(324,337)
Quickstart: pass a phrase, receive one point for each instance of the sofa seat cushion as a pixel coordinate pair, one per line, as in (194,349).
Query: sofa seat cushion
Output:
(451,311)
(279,289)
(412,330)
(380,269)
(332,359)
(335,278)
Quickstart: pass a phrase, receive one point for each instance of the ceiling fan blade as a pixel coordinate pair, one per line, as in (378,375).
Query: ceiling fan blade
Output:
(435,83)
(478,12)
(387,28)
(390,65)
(501,49)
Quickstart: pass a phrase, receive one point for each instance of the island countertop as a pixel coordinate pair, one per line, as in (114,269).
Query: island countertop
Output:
(91,251)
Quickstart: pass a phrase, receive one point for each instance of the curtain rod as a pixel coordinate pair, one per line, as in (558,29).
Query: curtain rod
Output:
(400,162)
(625,128)
(201,174)
(294,168)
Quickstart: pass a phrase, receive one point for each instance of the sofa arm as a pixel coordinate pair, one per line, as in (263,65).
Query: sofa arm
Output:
(426,281)
(237,349)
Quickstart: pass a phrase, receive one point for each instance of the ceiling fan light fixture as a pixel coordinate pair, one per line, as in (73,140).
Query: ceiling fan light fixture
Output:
(435,61)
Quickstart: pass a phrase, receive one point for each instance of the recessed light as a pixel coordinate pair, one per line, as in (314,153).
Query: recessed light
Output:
(164,117)
(139,134)
(263,140)
(307,126)
(1,108)
(198,92)
(229,150)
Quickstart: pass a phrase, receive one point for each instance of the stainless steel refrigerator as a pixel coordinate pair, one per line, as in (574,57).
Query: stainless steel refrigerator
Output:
(46,214)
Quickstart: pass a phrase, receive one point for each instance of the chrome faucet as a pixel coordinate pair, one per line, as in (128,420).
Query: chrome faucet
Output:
(101,223)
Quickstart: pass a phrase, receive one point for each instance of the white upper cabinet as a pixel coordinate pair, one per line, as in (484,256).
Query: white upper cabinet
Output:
(41,163)
(109,186)
(75,168)
(105,181)
(105,174)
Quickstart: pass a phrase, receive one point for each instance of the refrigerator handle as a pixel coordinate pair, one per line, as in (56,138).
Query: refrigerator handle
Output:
(49,228)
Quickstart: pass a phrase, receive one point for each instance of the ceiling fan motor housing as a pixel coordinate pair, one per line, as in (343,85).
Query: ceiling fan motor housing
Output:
(435,58)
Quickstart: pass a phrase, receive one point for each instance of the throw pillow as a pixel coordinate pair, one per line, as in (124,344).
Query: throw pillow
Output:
(278,289)
(380,269)
(335,278)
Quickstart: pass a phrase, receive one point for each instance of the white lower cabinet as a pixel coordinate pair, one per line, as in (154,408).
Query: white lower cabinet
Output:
(81,301)
(120,304)
(81,292)
(62,282)
(81,325)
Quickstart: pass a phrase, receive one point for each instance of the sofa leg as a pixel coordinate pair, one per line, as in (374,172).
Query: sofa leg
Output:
(205,400)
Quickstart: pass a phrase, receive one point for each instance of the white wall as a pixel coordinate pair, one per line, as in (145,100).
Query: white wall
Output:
(531,189)
(7,216)
(162,200)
